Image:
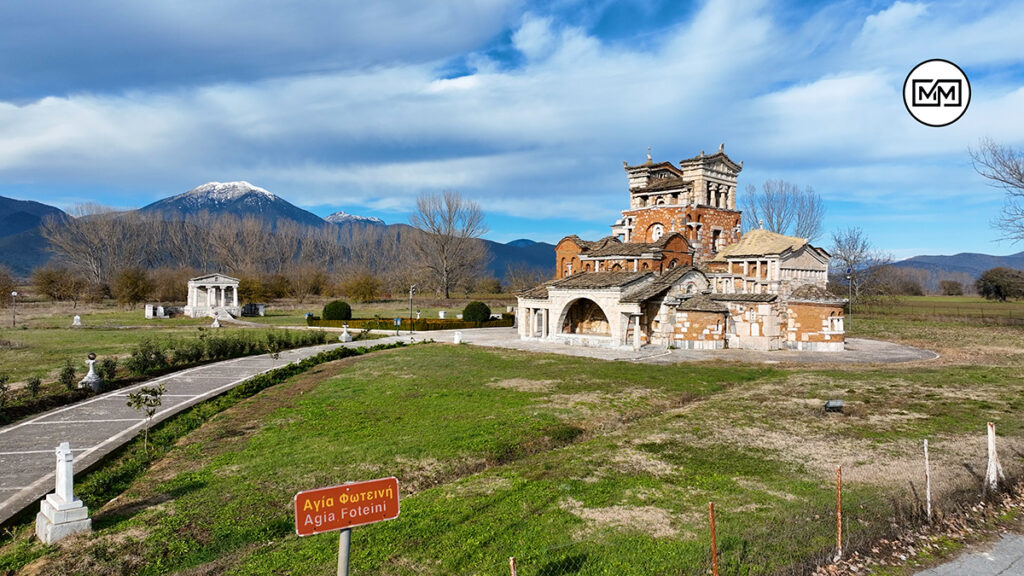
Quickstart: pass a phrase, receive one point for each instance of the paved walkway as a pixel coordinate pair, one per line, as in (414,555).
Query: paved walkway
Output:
(1005,558)
(99,425)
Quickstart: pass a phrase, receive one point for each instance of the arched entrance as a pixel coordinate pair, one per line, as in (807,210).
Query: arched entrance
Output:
(584,316)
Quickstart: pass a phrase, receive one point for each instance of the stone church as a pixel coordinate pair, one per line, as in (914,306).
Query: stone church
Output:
(678,271)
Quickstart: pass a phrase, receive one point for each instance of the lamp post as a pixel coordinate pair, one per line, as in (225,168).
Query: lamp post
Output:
(412,290)
(849,286)
(14,309)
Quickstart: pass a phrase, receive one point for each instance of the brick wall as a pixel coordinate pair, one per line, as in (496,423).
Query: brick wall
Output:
(809,322)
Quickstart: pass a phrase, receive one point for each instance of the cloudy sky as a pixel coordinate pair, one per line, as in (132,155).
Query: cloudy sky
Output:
(529,108)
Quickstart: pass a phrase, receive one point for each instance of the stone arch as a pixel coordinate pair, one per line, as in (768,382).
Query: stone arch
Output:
(584,316)
(616,267)
(673,263)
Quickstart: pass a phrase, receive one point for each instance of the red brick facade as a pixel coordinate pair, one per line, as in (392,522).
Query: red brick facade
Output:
(707,229)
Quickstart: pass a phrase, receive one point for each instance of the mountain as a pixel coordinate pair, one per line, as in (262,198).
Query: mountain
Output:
(236,198)
(968,263)
(346,218)
(17,216)
(525,254)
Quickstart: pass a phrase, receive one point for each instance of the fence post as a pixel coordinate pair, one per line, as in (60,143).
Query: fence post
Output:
(839,512)
(714,544)
(927,482)
(994,473)
(512,565)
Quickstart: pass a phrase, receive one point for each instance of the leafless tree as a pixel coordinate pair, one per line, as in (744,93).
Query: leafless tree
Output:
(855,261)
(520,276)
(449,249)
(784,209)
(7,285)
(99,241)
(1003,166)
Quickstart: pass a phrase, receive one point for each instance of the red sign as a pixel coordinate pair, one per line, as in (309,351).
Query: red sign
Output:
(345,506)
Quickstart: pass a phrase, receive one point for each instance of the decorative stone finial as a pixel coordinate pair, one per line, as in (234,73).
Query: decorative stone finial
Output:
(721,147)
(92,380)
(761,224)
(701,153)
(649,160)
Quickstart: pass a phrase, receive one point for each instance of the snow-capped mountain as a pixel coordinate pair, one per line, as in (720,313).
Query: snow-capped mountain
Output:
(342,217)
(237,198)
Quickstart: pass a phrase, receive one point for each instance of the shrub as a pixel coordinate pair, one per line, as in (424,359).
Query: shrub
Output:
(146,357)
(476,312)
(34,384)
(951,288)
(1001,283)
(362,287)
(108,369)
(337,310)
(67,375)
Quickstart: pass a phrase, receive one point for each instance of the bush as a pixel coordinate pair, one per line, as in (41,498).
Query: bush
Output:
(476,312)
(34,384)
(337,310)
(951,288)
(67,375)
(108,369)
(362,287)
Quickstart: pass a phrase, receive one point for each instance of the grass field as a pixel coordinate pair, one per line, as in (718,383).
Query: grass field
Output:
(931,307)
(573,466)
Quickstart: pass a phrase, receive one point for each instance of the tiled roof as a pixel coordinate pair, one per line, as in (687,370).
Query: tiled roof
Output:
(744,297)
(665,184)
(812,293)
(701,303)
(598,279)
(633,248)
(662,282)
(759,243)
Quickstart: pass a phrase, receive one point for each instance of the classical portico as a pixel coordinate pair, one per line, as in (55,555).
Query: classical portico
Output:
(211,293)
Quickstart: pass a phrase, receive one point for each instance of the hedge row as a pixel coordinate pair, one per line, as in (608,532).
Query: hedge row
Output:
(148,358)
(421,325)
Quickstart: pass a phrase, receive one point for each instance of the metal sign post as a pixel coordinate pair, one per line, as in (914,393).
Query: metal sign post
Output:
(343,544)
(343,508)
(398,323)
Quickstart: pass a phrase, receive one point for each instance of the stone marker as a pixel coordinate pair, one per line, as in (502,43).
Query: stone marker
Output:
(92,379)
(440,314)
(345,336)
(458,337)
(76,321)
(62,514)
(216,323)
(149,311)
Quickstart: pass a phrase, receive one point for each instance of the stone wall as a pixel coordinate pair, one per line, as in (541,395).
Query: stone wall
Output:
(567,254)
(702,226)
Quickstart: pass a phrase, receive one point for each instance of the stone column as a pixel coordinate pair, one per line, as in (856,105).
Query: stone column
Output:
(529,322)
(234,296)
(636,332)
(544,323)
(223,296)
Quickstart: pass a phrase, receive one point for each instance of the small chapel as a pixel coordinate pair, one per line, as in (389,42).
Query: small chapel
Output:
(677,271)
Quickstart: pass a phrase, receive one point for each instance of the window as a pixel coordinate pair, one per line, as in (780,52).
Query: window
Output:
(657,231)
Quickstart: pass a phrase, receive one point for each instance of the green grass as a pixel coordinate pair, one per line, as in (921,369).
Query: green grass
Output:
(972,307)
(571,465)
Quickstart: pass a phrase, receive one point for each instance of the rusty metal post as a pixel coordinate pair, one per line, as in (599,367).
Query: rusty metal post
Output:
(714,543)
(839,512)
(512,565)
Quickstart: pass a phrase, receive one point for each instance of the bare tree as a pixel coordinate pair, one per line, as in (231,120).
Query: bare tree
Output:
(449,249)
(784,209)
(855,262)
(1003,166)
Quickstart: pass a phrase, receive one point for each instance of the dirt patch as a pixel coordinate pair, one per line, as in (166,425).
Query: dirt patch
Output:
(656,522)
(524,385)
(418,474)
(631,461)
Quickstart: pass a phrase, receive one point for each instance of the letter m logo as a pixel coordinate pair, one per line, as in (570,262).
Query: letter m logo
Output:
(927,92)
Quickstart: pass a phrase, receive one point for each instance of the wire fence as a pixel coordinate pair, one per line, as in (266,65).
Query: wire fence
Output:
(827,521)
(980,314)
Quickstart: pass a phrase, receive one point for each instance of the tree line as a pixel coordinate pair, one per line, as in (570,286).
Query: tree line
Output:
(134,256)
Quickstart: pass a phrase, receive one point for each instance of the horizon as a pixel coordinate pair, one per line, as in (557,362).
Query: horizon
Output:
(524,107)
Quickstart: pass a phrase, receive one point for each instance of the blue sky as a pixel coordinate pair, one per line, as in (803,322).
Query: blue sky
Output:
(529,108)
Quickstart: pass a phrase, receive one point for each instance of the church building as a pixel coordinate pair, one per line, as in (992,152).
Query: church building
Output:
(678,271)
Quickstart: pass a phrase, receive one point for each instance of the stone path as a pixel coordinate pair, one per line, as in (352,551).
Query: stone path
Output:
(1004,558)
(99,425)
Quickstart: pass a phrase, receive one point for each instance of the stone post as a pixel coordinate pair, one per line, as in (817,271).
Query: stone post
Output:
(61,514)
(544,323)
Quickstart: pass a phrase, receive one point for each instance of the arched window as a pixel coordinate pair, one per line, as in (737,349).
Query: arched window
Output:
(645,266)
(657,231)
(673,263)
(616,267)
